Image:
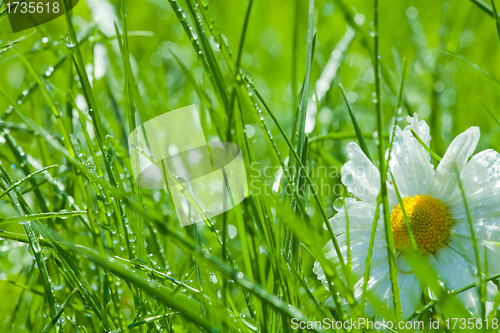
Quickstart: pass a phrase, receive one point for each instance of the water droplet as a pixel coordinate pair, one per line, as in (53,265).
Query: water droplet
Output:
(90,167)
(76,143)
(82,157)
(337,204)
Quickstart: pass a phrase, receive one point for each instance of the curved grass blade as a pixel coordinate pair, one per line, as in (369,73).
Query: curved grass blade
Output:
(422,143)
(474,66)
(489,111)
(19,182)
(41,216)
(34,244)
(54,320)
(484,7)
(4,48)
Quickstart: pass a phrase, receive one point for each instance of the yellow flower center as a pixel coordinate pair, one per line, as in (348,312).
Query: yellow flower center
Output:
(429,220)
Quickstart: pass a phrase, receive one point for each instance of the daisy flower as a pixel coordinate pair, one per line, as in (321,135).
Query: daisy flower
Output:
(434,205)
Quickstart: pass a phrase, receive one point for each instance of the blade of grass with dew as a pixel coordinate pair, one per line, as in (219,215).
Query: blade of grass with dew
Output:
(219,119)
(131,264)
(54,320)
(21,181)
(49,100)
(368,259)
(216,33)
(21,160)
(123,44)
(89,95)
(26,94)
(248,100)
(3,48)
(130,108)
(6,182)
(383,185)
(221,93)
(74,272)
(308,180)
(207,49)
(40,216)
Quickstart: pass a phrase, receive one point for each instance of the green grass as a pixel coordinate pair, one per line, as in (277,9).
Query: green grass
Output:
(83,249)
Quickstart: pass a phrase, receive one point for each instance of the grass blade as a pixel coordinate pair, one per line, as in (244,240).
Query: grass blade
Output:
(54,320)
(383,175)
(359,134)
(422,143)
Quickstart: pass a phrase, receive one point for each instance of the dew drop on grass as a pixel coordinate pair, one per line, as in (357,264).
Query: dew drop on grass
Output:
(90,167)
(109,158)
(110,209)
(76,143)
(82,157)
(372,29)
(44,252)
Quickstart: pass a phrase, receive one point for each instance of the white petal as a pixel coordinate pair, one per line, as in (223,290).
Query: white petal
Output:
(480,179)
(465,247)
(484,229)
(359,244)
(410,292)
(459,151)
(410,164)
(359,175)
(360,213)
(421,128)
(447,263)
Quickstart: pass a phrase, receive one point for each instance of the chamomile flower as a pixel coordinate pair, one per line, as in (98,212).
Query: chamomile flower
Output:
(434,205)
